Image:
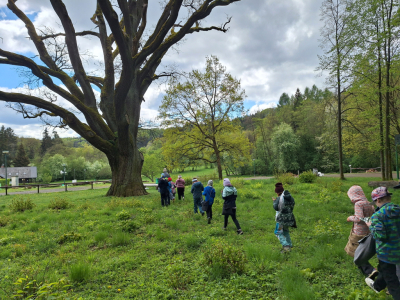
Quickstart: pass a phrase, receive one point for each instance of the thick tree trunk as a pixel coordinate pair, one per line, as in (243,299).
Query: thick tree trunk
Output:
(126,175)
(218,156)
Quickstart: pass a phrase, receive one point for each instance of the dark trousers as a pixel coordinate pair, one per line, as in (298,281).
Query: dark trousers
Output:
(233,215)
(181,192)
(387,277)
(209,211)
(366,269)
(164,198)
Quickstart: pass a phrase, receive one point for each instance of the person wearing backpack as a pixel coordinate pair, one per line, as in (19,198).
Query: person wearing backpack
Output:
(209,192)
(163,189)
(284,217)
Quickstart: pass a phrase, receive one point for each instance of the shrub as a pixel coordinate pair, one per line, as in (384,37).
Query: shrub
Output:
(126,225)
(46,178)
(224,259)
(123,215)
(4,221)
(286,178)
(307,177)
(79,272)
(69,237)
(20,205)
(59,203)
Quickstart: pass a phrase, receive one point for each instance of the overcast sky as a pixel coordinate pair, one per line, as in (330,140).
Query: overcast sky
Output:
(271,46)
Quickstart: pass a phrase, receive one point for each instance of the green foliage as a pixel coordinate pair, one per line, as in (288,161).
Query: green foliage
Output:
(285,178)
(79,272)
(285,145)
(21,204)
(224,259)
(120,202)
(120,238)
(69,237)
(123,215)
(46,178)
(4,220)
(59,203)
(307,177)
(31,289)
(177,255)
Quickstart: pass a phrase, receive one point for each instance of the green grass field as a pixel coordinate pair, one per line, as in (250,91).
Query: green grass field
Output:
(95,247)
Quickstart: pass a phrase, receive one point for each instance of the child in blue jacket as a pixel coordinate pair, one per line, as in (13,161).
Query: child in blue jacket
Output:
(209,192)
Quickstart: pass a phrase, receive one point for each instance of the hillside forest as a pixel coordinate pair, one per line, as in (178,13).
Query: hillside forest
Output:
(295,136)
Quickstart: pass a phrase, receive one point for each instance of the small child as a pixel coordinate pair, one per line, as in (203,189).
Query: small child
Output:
(284,205)
(209,192)
(172,188)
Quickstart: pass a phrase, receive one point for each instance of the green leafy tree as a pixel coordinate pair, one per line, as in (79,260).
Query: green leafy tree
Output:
(201,109)
(154,162)
(132,53)
(285,145)
(21,159)
(337,43)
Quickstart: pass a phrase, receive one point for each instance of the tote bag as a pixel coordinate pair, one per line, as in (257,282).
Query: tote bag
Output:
(365,250)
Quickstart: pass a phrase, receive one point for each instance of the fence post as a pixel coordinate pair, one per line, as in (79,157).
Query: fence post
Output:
(92,185)
(38,188)
(65,186)
(6,191)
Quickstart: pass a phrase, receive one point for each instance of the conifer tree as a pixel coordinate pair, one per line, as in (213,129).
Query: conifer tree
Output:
(21,160)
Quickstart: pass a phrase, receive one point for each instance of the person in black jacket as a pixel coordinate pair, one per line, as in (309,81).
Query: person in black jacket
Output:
(229,194)
(164,192)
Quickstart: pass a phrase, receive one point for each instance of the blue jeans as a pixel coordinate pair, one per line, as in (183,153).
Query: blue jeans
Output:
(282,233)
(197,204)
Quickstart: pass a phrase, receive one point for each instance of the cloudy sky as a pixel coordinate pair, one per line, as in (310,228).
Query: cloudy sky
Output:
(271,46)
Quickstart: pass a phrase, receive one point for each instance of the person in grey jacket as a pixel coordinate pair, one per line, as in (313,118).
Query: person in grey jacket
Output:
(197,190)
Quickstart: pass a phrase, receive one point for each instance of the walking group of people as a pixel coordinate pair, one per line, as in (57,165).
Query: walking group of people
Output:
(167,188)
(383,223)
(229,195)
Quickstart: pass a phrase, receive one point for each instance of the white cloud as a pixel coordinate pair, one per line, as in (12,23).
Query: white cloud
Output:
(260,107)
(271,46)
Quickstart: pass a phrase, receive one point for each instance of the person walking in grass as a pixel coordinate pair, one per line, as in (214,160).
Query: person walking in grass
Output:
(171,185)
(284,217)
(385,228)
(362,209)
(229,194)
(180,186)
(209,192)
(197,190)
(164,192)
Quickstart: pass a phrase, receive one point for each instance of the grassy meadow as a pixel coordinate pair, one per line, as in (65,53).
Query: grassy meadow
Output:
(83,245)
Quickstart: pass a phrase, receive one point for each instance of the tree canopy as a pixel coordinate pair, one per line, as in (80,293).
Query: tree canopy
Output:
(201,110)
(132,53)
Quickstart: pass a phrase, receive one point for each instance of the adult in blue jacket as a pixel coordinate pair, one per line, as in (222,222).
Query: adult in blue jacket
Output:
(209,192)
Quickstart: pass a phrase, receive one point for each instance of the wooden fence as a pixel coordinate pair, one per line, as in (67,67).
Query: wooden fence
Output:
(53,184)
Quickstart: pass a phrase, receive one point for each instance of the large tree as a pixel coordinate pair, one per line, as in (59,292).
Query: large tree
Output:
(132,54)
(201,109)
(21,160)
(337,43)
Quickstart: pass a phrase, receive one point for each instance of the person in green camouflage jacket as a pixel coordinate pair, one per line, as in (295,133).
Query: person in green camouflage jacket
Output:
(385,228)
